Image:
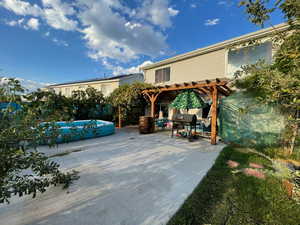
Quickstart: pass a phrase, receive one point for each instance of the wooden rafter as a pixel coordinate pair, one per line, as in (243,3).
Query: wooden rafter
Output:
(207,84)
(204,91)
(201,91)
(223,91)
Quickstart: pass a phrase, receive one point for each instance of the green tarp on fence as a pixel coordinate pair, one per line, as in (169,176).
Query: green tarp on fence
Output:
(243,121)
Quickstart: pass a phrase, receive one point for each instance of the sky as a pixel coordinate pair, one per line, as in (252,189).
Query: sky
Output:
(52,41)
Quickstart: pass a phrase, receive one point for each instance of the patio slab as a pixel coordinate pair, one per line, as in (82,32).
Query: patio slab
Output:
(125,179)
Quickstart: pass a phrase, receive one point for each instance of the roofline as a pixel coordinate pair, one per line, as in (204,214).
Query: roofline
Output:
(221,45)
(104,80)
(81,82)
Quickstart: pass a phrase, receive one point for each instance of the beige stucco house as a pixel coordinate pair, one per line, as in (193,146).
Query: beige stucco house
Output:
(220,60)
(105,85)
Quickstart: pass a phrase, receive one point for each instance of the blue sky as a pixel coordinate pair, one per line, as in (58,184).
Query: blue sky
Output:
(53,41)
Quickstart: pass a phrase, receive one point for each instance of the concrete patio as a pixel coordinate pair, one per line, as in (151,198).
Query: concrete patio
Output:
(126,179)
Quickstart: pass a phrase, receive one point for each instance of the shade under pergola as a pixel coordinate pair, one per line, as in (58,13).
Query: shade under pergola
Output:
(214,88)
(188,100)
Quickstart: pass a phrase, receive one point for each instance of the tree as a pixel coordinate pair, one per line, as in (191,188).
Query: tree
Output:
(50,105)
(24,170)
(88,104)
(278,83)
(130,99)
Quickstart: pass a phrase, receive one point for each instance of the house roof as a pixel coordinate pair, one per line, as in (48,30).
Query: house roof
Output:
(221,45)
(96,79)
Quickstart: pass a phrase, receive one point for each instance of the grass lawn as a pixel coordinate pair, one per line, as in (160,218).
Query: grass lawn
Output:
(226,198)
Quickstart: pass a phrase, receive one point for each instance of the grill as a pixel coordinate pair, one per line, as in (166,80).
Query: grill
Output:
(182,120)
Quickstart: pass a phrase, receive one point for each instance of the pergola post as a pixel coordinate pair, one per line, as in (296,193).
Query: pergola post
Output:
(214,115)
(152,98)
(152,107)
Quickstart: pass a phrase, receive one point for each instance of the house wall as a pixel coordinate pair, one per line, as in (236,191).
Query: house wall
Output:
(207,66)
(221,60)
(132,79)
(105,86)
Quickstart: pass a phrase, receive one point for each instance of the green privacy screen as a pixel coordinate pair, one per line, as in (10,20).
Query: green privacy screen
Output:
(243,121)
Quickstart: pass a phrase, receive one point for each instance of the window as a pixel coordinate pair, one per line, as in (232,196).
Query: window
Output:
(162,75)
(247,56)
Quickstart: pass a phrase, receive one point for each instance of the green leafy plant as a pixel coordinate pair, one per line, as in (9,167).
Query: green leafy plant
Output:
(130,100)
(87,104)
(24,170)
(277,84)
(49,105)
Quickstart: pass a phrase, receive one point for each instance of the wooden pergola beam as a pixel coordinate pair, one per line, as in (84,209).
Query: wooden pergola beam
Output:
(227,88)
(176,87)
(223,91)
(201,91)
(204,91)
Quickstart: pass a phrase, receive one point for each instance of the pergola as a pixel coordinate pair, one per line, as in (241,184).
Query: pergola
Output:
(213,88)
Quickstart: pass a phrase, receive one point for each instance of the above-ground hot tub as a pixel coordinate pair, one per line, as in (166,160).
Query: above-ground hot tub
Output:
(82,129)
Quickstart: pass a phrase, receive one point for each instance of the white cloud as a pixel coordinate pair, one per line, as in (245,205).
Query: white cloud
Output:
(14,23)
(157,12)
(60,42)
(118,70)
(173,12)
(193,5)
(21,7)
(132,25)
(111,30)
(28,84)
(3,80)
(109,34)
(56,12)
(33,23)
(212,22)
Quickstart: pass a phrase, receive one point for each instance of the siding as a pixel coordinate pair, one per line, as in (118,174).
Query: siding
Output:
(207,66)
(109,87)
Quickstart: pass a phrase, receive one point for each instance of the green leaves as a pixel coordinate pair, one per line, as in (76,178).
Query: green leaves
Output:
(87,104)
(23,170)
(129,97)
(257,11)
(279,83)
